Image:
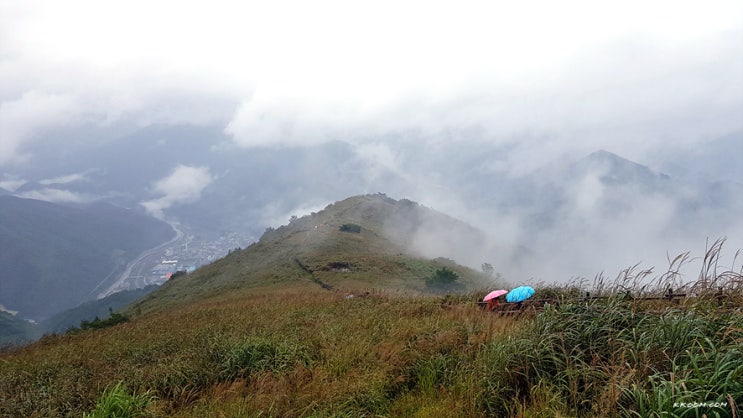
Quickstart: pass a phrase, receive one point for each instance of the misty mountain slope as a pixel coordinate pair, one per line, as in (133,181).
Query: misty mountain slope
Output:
(612,183)
(121,161)
(603,212)
(715,160)
(362,242)
(523,198)
(248,187)
(615,170)
(14,330)
(53,256)
(614,188)
(601,184)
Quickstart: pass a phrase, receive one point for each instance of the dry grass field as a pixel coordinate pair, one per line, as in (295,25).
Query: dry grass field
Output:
(328,323)
(303,351)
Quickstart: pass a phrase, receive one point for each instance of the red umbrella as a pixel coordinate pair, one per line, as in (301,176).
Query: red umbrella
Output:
(494,294)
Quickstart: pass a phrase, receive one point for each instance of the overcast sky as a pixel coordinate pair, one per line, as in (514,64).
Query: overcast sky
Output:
(545,79)
(628,76)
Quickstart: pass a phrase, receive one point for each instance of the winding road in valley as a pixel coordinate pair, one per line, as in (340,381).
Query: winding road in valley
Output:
(118,285)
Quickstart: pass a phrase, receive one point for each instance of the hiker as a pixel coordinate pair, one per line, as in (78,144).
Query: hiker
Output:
(493,304)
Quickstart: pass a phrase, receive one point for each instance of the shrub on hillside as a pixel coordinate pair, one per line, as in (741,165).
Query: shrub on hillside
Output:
(443,279)
(97,323)
(356,229)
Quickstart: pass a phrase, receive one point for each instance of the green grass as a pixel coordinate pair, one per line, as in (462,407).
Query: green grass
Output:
(256,335)
(117,402)
(607,358)
(256,355)
(303,351)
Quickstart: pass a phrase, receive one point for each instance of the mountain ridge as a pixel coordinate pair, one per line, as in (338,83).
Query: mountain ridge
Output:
(617,170)
(535,205)
(361,242)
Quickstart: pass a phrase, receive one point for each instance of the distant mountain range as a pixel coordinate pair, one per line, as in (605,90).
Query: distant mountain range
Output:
(552,212)
(53,256)
(605,213)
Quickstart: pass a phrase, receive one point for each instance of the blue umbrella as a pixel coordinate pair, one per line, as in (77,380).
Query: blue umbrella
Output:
(520,294)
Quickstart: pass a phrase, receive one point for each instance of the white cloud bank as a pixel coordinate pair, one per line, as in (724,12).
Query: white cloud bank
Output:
(631,97)
(288,73)
(184,185)
(23,118)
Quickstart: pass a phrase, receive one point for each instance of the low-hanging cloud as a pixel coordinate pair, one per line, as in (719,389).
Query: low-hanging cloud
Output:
(576,218)
(65,179)
(22,119)
(629,96)
(182,186)
(55,195)
(498,74)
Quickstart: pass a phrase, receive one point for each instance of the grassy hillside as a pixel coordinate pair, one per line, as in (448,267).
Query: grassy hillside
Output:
(271,331)
(316,249)
(303,351)
(53,256)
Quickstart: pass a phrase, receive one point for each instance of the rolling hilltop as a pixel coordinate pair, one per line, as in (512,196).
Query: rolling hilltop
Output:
(360,243)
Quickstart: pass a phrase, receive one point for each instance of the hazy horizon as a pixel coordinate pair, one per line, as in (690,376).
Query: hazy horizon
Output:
(473,109)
